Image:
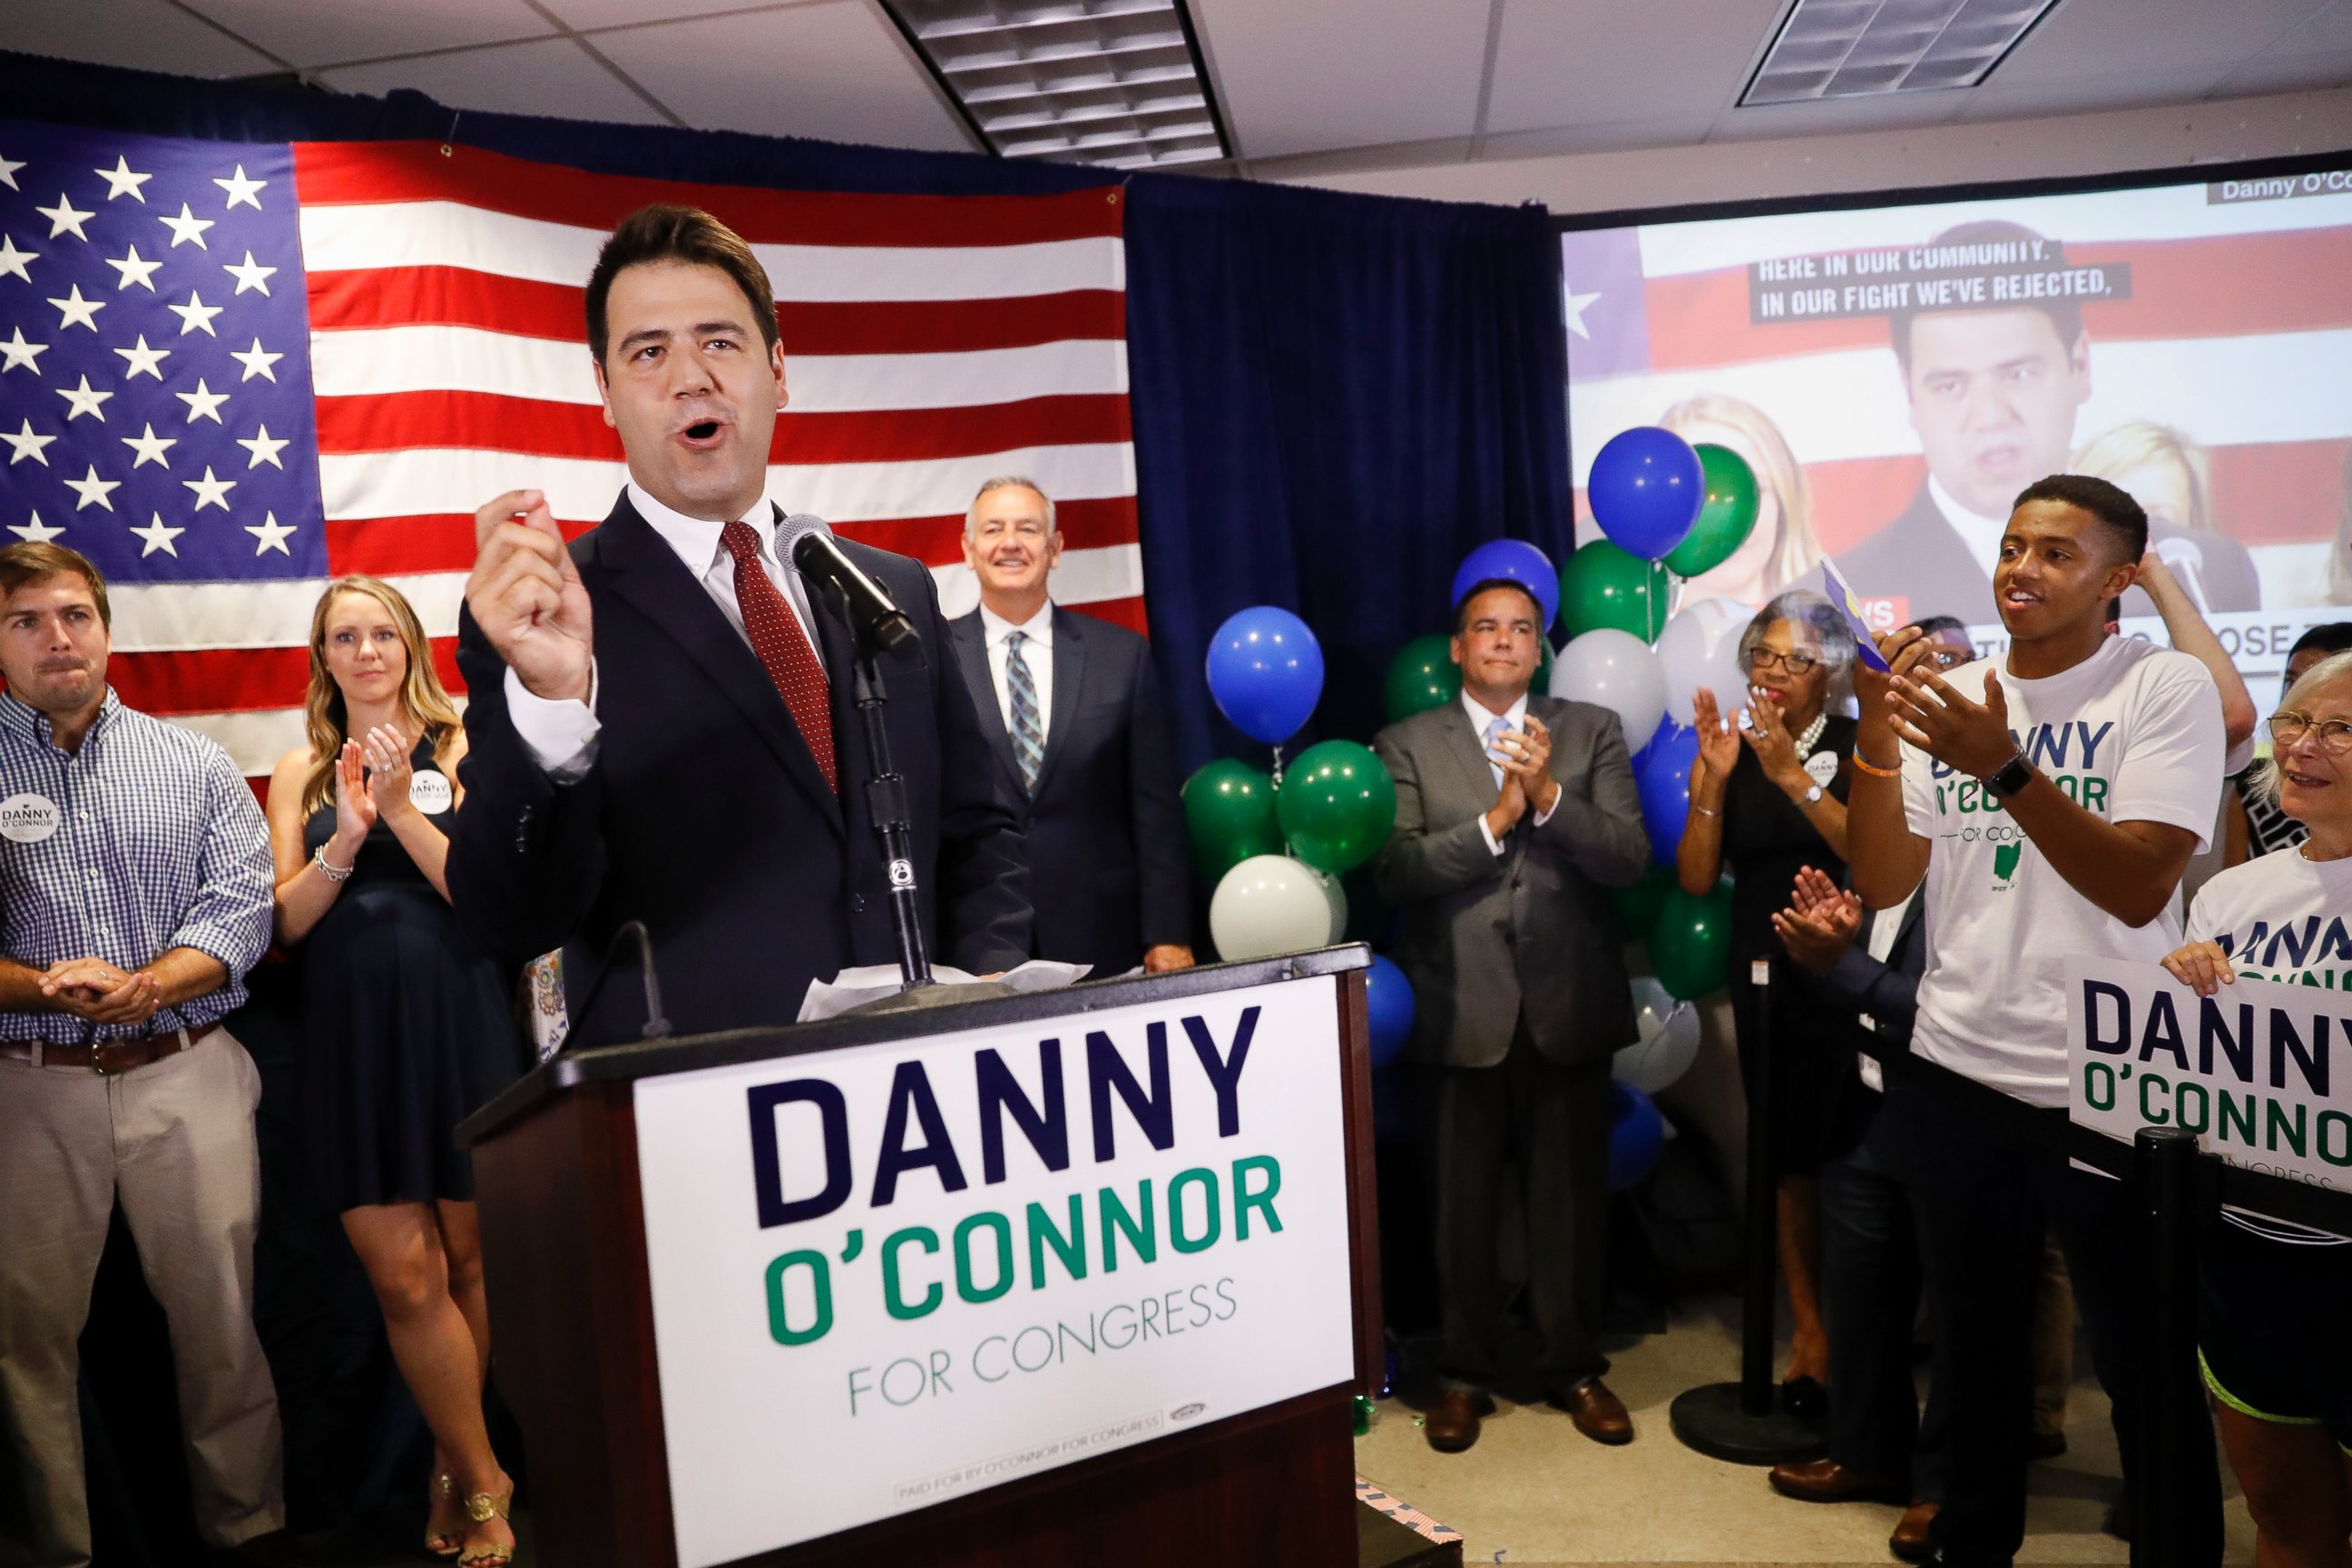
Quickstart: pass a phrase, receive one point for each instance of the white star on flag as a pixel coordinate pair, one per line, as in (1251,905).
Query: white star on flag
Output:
(250,274)
(196,315)
(93,490)
(203,404)
(73,308)
(27,444)
(64,216)
(1576,303)
(186,227)
(121,182)
(142,360)
(157,536)
(257,361)
(18,351)
(272,535)
(12,260)
(210,491)
(83,400)
(134,271)
(264,448)
(8,171)
(35,531)
(241,189)
(149,446)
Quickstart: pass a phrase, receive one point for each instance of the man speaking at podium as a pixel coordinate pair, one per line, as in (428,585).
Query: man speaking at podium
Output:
(660,727)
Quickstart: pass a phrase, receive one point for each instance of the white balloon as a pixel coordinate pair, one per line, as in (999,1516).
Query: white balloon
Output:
(1271,903)
(1619,671)
(1336,896)
(1700,646)
(1669,1042)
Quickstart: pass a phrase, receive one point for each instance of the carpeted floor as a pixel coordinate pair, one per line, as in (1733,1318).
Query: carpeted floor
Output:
(1535,1492)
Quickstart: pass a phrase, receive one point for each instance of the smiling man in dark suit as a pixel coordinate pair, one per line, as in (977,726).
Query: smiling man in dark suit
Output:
(1071,708)
(659,729)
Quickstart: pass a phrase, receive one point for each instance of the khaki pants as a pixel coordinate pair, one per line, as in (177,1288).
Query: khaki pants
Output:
(175,1141)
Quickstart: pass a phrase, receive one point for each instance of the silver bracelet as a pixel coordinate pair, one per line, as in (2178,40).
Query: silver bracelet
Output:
(1703,811)
(332,873)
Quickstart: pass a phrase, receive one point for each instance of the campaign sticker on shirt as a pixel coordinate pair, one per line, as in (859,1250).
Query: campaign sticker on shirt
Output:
(429,791)
(1821,767)
(27,818)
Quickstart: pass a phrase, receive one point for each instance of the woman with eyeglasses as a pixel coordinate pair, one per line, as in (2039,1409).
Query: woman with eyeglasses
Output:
(1768,799)
(2252,823)
(2275,1356)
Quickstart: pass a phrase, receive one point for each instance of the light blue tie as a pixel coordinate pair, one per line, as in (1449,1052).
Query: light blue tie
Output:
(1028,736)
(1495,732)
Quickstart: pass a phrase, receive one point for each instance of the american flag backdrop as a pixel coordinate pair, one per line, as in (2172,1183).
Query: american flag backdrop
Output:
(230,372)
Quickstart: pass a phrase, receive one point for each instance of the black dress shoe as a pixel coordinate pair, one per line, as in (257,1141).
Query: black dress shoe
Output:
(1803,1396)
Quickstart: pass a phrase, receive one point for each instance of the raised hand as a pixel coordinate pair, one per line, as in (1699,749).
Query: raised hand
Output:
(2201,966)
(527,596)
(385,751)
(1719,743)
(354,804)
(1776,750)
(1526,757)
(1971,737)
(1819,923)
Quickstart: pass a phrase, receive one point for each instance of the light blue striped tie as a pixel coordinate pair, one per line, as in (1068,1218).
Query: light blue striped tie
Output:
(1495,732)
(1028,737)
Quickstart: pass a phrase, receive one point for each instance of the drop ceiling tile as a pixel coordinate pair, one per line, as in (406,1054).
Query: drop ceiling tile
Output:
(2002,97)
(144,34)
(2303,71)
(552,75)
(836,70)
(1308,75)
(1595,63)
(2173,38)
(2327,32)
(329,32)
(1833,116)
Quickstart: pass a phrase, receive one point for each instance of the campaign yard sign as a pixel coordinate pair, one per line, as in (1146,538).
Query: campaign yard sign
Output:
(891,1274)
(2251,1070)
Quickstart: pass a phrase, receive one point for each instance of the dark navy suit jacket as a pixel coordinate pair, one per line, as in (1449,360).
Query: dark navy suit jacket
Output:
(1108,867)
(705,815)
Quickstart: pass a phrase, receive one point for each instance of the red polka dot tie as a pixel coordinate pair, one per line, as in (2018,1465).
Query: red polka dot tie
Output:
(782,647)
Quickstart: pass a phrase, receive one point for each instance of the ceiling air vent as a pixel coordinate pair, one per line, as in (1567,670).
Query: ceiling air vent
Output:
(1858,49)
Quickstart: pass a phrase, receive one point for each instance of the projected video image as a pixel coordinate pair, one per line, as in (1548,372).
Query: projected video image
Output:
(1895,375)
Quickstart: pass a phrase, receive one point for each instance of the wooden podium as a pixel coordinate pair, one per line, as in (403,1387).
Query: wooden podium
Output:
(572,1290)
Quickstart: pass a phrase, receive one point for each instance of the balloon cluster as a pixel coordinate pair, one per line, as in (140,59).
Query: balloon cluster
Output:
(1275,844)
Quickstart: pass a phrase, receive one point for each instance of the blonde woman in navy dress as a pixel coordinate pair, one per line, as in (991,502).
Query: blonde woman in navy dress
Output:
(407,1030)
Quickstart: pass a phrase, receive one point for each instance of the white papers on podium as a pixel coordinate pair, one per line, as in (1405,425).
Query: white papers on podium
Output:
(872,982)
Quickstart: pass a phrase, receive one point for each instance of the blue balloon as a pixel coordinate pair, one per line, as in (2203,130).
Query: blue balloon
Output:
(1661,778)
(1636,1134)
(1387,998)
(1266,670)
(1518,561)
(1645,491)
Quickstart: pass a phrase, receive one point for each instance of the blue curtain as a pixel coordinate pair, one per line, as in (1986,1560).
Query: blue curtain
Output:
(1335,396)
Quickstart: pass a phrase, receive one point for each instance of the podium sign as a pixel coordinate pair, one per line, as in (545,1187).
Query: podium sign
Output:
(890,1275)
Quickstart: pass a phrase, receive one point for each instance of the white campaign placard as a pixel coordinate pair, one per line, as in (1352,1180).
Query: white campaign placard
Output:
(2262,1071)
(891,1274)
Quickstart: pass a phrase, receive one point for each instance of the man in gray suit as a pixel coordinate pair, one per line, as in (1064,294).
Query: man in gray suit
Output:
(1514,814)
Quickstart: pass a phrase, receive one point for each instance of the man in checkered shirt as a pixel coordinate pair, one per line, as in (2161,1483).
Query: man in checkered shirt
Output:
(134,894)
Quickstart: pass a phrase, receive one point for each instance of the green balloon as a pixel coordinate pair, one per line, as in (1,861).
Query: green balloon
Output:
(1229,816)
(1603,585)
(1725,518)
(1423,675)
(1638,906)
(1690,947)
(1336,804)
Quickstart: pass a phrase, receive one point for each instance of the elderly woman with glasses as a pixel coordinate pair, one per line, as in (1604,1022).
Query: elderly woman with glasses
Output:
(1768,799)
(2276,1358)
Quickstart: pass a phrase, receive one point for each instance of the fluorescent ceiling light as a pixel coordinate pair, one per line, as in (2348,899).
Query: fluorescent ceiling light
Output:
(1859,49)
(1118,83)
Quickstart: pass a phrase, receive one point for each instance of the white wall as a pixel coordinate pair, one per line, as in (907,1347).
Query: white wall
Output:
(2209,132)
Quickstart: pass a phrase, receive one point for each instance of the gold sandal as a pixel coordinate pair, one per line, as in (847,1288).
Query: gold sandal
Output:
(442,1543)
(482,1508)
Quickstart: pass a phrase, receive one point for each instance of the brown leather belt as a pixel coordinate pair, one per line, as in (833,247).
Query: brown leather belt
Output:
(112,1058)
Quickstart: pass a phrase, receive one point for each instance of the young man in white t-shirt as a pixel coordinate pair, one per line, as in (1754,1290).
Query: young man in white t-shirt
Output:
(2050,805)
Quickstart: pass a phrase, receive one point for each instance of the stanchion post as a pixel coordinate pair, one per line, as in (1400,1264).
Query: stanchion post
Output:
(2164,1170)
(1759,1260)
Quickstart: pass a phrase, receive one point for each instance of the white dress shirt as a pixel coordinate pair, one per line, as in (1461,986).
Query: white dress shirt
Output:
(1885,926)
(1481,717)
(1980,533)
(562,735)
(1036,652)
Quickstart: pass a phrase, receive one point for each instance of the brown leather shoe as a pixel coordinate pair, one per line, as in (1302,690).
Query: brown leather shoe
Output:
(1826,1481)
(1909,1541)
(1597,1414)
(1452,1423)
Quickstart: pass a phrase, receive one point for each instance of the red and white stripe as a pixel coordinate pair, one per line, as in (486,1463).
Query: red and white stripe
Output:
(2237,332)
(929,342)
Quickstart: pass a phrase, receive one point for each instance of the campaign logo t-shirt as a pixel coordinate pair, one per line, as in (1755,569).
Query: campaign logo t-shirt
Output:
(2132,735)
(2287,920)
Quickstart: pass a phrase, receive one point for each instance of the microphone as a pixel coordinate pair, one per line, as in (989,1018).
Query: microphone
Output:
(808,544)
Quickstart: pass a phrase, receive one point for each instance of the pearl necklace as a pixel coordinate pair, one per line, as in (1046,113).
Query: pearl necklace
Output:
(1805,742)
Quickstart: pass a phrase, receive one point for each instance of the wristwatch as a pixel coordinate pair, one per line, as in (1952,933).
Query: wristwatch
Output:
(2009,778)
(1812,795)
